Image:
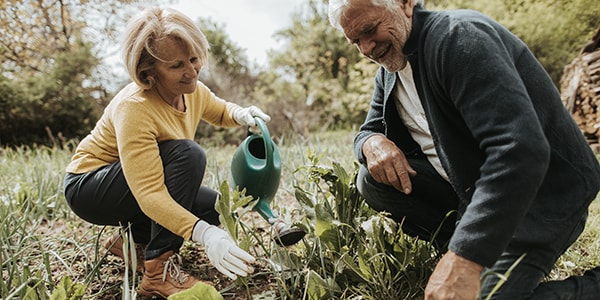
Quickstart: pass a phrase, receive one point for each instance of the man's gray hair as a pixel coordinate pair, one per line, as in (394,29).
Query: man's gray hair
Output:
(337,6)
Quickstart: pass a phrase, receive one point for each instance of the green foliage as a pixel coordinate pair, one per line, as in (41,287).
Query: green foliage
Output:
(555,31)
(350,252)
(12,98)
(31,198)
(328,71)
(51,82)
(47,104)
(225,53)
(317,80)
(128,287)
(51,73)
(33,32)
(228,73)
(227,206)
(285,102)
(67,290)
(31,182)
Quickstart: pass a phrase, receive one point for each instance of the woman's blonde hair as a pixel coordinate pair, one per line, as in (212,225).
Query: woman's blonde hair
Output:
(152,25)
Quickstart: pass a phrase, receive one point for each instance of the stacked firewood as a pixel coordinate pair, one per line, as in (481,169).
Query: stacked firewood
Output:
(580,90)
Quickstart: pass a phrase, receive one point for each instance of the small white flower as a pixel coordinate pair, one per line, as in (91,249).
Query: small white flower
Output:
(387,228)
(17,188)
(367,225)
(568,264)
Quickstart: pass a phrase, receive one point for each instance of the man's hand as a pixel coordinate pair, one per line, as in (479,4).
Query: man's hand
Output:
(387,164)
(455,278)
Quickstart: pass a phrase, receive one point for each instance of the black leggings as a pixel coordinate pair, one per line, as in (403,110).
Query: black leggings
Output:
(103,197)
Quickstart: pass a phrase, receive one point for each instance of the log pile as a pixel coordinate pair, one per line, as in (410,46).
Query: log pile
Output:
(580,90)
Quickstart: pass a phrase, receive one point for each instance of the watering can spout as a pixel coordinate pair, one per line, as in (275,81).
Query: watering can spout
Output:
(256,166)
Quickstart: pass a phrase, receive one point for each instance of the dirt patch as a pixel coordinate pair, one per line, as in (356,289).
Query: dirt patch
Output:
(78,244)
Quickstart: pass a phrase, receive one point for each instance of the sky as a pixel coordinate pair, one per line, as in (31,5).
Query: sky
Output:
(250,24)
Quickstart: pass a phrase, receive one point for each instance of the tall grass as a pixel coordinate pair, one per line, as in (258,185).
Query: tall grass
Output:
(34,215)
(349,252)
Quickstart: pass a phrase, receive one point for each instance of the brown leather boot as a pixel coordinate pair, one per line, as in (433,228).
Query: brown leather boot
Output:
(163,276)
(114,244)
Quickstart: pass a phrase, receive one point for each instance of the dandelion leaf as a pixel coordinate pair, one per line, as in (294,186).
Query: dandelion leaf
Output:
(67,290)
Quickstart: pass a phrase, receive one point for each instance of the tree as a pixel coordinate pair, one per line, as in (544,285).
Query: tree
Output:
(320,81)
(37,108)
(329,83)
(50,53)
(33,32)
(227,74)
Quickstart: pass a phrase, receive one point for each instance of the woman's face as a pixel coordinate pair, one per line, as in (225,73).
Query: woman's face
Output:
(177,74)
(378,32)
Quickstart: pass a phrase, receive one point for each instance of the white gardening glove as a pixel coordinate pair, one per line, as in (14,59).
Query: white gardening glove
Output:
(222,251)
(245,116)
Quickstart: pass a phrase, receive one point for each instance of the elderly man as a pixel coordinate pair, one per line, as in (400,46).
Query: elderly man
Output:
(468,142)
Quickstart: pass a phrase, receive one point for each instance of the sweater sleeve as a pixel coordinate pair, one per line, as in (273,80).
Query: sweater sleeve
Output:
(215,110)
(374,122)
(143,170)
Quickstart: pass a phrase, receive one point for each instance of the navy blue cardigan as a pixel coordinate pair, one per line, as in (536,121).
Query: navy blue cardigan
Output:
(514,156)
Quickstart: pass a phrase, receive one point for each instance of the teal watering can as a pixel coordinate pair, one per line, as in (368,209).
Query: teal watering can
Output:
(256,166)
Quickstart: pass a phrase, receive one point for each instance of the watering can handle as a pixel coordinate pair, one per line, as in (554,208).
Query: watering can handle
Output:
(267,140)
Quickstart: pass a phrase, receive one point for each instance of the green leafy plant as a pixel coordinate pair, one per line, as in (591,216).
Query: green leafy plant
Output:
(68,290)
(351,251)
(228,206)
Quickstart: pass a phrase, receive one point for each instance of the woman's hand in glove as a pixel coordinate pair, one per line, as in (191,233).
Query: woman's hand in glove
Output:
(245,116)
(222,251)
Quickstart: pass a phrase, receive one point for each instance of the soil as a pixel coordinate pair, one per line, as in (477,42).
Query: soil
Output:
(110,279)
(259,285)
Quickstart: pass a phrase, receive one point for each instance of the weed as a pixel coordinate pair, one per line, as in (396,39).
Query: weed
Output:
(349,252)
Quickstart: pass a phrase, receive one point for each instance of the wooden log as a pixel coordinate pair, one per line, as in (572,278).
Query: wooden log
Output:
(580,93)
(590,57)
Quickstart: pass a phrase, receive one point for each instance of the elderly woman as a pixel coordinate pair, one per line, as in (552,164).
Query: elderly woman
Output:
(140,165)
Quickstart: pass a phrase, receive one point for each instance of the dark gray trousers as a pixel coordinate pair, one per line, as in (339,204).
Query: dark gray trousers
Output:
(428,212)
(103,197)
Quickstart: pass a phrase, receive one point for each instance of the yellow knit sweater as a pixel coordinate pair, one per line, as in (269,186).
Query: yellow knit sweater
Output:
(130,129)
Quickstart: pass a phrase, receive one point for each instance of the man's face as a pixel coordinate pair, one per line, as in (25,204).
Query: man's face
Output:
(379,32)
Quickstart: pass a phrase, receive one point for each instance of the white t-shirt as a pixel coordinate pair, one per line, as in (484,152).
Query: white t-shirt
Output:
(412,115)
